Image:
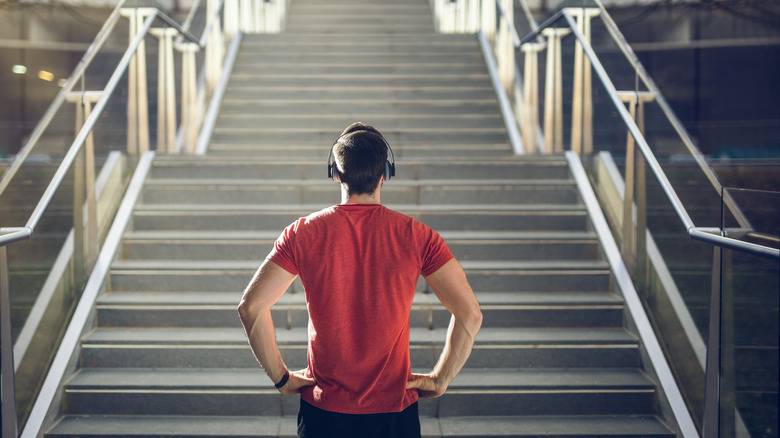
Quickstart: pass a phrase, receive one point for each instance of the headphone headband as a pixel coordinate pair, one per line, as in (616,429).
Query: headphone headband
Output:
(389,164)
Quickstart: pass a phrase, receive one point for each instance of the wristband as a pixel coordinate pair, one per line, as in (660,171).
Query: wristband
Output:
(284,380)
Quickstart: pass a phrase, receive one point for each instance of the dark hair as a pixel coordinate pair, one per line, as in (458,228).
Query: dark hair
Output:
(360,154)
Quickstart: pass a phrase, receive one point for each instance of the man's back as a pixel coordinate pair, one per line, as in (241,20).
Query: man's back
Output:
(359,264)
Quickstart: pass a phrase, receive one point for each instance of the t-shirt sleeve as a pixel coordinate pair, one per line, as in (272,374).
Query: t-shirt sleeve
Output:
(435,252)
(283,253)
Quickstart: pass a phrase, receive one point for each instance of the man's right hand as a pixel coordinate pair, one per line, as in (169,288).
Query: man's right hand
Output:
(426,385)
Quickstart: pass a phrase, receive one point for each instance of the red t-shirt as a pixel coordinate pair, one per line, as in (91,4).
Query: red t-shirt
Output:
(359,265)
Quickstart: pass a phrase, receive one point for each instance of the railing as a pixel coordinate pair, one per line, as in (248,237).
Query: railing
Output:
(621,109)
(199,81)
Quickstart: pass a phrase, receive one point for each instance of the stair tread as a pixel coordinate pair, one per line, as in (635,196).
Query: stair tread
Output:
(259,426)
(188,299)
(234,336)
(555,426)
(306,209)
(472,379)
(171,183)
(244,236)
(222,265)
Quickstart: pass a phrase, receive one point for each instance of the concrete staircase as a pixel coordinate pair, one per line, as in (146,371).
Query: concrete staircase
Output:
(167,355)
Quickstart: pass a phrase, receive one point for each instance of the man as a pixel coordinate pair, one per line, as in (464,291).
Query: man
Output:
(359,263)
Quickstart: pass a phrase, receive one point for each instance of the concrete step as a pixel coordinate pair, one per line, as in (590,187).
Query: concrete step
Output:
(501,309)
(226,347)
(424,192)
(405,152)
(239,245)
(254,54)
(239,119)
(441,168)
(252,43)
(138,426)
(441,217)
(452,79)
(325,57)
(499,276)
(248,392)
(315,136)
(352,28)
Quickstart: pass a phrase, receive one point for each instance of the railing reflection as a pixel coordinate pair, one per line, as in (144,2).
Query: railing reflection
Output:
(667,187)
(58,173)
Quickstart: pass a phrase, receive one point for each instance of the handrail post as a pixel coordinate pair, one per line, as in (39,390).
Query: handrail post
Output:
(488,24)
(138,105)
(553,93)
(86,241)
(505,48)
(214,50)
(166,92)
(642,268)
(189,107)
(634,245)
(711,422)
(247,15)
(10,429)
(531,96)
(582,96)
(473,16)
(627,245)
(231,18)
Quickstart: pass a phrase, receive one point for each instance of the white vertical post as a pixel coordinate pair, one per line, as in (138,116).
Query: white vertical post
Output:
(189,97)
(138,105)
(92,225)
(260,16)
(587,115)
(214,50)
(166,92)
(86,243)
(627,248)
(582,100)
(231,18)
(553,95)
(531,96)
(506,48)
(143,98)
(489,19)
(132,89)
(462,9)
(247,16)
(472,16)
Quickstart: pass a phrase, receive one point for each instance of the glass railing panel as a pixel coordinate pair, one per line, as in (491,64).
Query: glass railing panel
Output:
(43,286)
(30,264)
(750,327)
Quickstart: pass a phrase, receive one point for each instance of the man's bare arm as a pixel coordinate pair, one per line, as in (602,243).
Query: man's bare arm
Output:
(265,289)
(451,287)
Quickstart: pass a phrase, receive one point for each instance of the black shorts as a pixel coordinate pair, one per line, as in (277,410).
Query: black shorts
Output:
(314,422)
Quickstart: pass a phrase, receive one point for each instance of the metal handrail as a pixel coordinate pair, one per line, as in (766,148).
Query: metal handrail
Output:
(22,233)
(623,45)
(80,144)
(48,116)
(682,213)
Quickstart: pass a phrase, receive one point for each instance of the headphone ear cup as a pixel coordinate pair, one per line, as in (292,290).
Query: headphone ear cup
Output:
(333,172)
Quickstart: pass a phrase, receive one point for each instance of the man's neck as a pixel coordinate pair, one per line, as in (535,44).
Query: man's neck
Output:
(363,198)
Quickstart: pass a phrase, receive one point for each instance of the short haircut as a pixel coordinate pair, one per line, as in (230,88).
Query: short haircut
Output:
(360,155)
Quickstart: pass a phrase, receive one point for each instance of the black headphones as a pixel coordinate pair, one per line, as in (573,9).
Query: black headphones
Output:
(333,170)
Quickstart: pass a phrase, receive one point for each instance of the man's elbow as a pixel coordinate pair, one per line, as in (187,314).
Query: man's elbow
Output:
(244,311)
(476,320)
(472,320)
